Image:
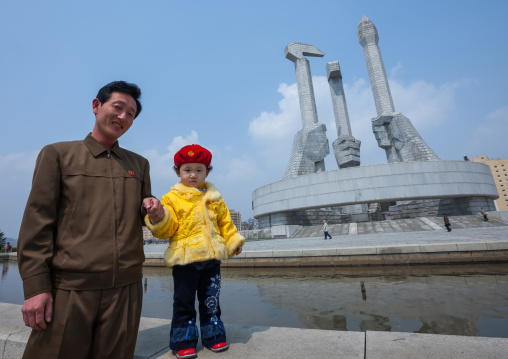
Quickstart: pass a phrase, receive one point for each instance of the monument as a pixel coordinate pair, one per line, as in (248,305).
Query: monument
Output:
(308,194)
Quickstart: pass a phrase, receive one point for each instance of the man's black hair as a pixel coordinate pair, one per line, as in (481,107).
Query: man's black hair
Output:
(120,86)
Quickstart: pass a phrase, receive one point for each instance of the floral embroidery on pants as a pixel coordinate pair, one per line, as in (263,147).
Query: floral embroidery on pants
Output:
(212,303)
(212,300)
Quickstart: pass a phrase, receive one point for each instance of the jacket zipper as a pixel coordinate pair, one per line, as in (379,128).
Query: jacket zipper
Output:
(115,255)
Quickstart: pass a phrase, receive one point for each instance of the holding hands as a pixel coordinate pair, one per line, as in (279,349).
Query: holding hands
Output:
(154,209)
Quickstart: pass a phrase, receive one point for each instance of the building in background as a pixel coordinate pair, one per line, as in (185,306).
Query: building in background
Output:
(499,168)
(236,217)
(147,235)
(148,238)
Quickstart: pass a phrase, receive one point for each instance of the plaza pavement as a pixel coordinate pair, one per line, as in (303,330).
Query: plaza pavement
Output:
(408,241)
(275,342)
(256,342)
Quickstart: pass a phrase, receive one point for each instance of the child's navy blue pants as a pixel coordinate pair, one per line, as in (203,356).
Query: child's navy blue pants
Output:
(204,279)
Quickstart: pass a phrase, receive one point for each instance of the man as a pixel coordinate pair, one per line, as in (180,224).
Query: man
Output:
(80,247)
(8,248)
(484,214)
(325,229)
(447,222)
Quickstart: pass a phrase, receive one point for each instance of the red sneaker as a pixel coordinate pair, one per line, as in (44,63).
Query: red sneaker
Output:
(219,347)
(185,353)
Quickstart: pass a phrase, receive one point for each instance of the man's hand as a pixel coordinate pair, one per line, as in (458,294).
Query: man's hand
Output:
(38,310)
(154,209)
(238,250)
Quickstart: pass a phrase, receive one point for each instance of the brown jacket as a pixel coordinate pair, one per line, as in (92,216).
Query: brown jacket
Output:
(82,226)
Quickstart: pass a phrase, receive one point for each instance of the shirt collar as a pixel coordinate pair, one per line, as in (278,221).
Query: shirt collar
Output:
(96,148)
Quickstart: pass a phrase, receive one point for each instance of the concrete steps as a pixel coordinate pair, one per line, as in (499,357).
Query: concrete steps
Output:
(401,225)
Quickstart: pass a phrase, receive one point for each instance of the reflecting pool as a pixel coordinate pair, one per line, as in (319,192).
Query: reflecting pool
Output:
(467,300)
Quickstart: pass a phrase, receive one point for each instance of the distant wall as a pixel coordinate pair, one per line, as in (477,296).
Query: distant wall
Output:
(500,215)
(436,207)
(314,217)
(257,233)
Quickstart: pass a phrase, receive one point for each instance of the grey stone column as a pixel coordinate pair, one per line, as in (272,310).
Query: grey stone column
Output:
(368,38)
(346,148)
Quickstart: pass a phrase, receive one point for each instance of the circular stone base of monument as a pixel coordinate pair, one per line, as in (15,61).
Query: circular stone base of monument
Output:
(393,182)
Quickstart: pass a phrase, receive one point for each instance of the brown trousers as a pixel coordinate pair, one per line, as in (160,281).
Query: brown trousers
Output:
(90,324)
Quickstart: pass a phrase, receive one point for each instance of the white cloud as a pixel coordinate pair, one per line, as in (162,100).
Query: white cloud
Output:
(501,115)
(180,141)
(425,104)
(161,164)
(270,126)
(240,169)
(14,163)
(396,69)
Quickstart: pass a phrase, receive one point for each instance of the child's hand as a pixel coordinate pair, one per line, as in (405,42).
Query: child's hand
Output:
(154,209)
(238,250)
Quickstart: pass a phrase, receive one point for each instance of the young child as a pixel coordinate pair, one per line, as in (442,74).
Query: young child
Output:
(201,233)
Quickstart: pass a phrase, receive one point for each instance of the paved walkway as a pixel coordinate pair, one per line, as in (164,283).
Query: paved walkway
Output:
(254,342)
(418,224)
(467,235)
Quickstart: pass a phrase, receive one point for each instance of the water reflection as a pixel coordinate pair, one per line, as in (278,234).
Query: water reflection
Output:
(5,269)
(458,300)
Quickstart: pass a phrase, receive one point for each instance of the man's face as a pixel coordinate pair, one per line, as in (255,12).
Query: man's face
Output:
(193,174)
(115,116)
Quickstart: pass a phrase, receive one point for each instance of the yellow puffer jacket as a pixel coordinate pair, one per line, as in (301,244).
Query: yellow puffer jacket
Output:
(198,224)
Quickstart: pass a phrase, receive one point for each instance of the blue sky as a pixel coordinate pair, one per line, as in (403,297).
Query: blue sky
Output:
(214,73)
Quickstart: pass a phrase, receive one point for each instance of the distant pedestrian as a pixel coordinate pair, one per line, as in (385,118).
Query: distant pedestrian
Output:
(447,222)
(325,229)
(484,214)
(465,158)
(8,248)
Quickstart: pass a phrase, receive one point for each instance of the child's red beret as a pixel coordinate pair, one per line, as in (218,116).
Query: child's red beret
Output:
(193,154)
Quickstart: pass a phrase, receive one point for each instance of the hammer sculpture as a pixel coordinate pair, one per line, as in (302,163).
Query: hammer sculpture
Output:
(310,145)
